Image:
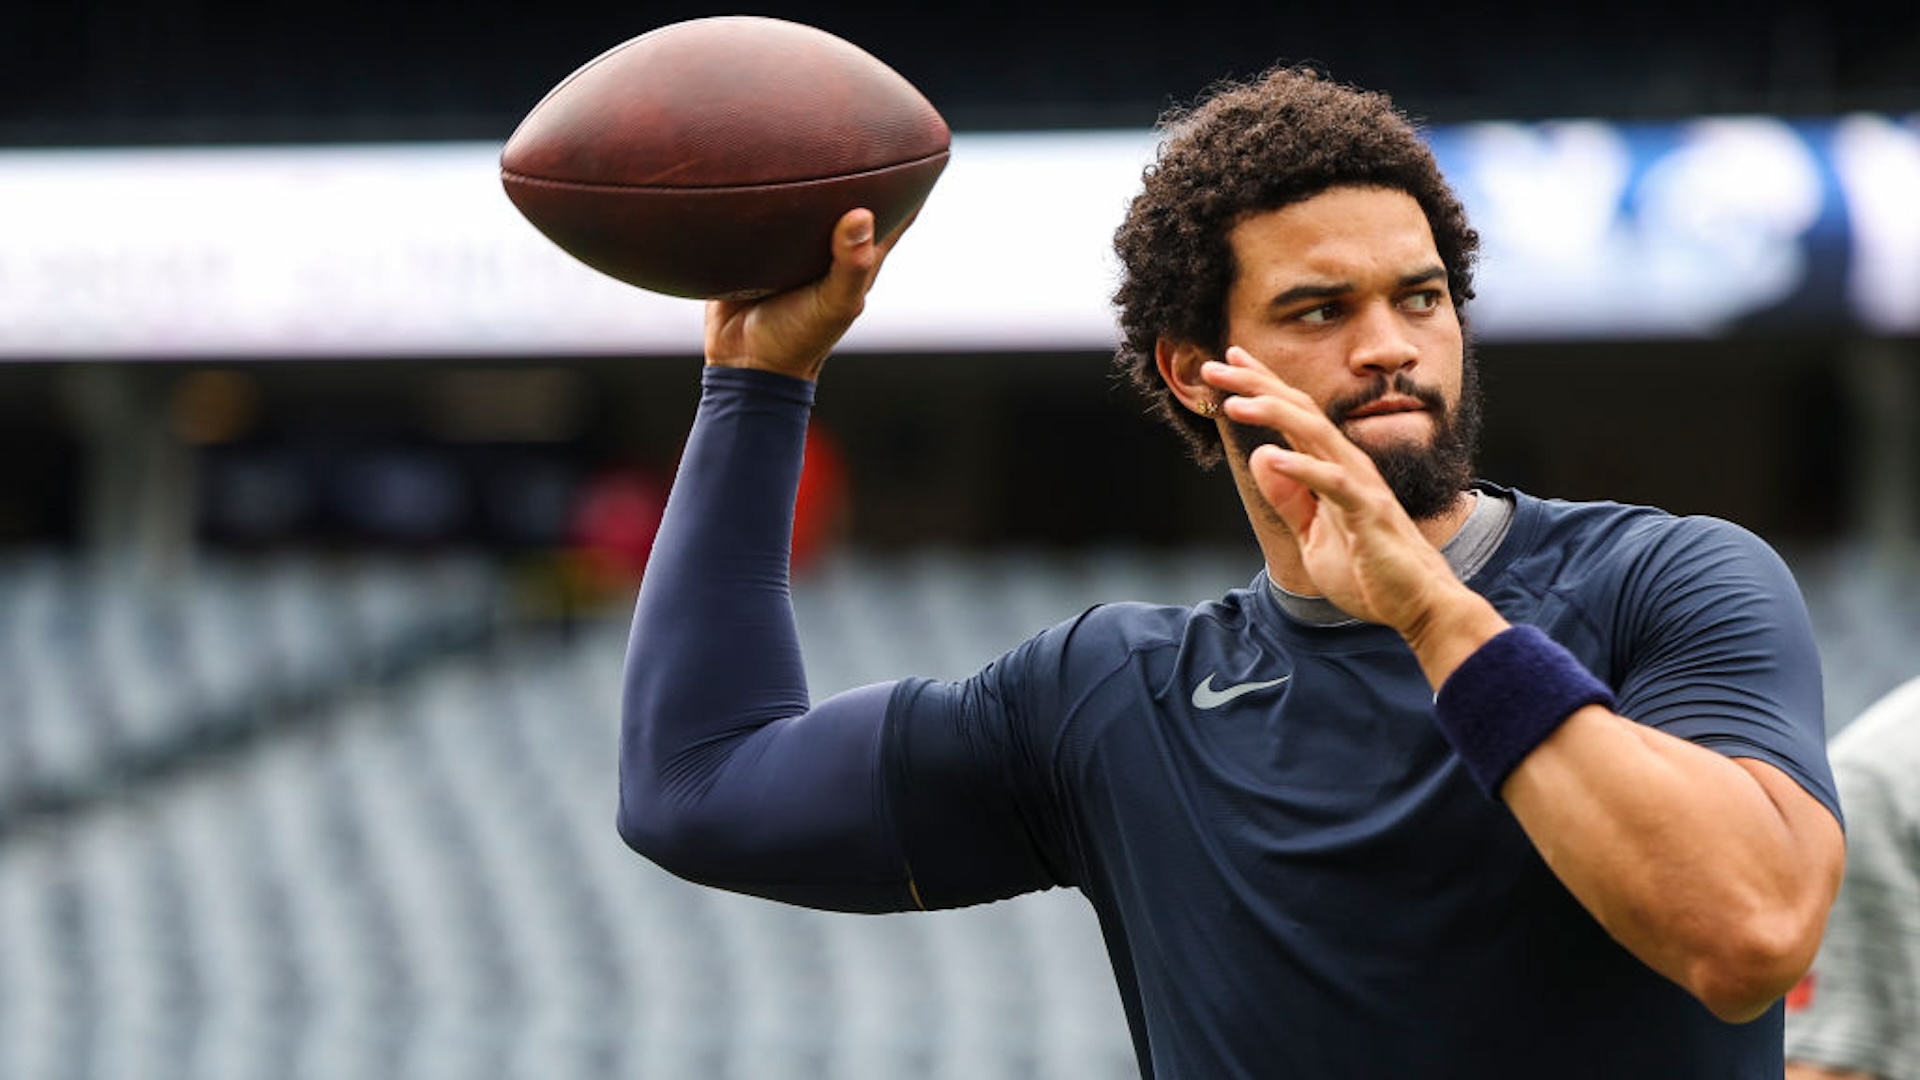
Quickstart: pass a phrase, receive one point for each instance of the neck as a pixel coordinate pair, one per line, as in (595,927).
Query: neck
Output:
(1287,567)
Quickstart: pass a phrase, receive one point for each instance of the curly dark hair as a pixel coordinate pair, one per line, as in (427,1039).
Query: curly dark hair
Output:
(1249,147)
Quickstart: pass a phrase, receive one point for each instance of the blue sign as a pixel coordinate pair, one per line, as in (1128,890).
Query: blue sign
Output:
(1703,228)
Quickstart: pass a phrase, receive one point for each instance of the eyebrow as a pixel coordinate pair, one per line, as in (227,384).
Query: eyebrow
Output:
(1328,292)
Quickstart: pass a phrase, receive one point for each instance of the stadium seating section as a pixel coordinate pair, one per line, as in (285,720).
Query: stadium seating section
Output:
(345,817)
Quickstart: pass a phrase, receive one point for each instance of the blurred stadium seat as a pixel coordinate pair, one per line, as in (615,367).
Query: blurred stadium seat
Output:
(410,870)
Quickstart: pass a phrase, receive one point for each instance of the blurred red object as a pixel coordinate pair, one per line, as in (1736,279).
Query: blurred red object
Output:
(821,509)
(617,515)
(614,523)
(1801,995)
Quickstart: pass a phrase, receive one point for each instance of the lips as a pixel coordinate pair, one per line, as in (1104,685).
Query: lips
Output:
(1393,403)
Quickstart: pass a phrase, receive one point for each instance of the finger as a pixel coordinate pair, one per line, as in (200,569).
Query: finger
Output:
(1241,374)
(1277,403)
(1252,395)
(856,261)
(1299,419)
(1318,458)
(792,332)
(1350,488)
(1275,474)
(721,311)
(853,234)
(1257,396)
(1305,428)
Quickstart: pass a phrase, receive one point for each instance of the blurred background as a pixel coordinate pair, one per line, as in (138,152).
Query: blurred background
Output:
(325,485)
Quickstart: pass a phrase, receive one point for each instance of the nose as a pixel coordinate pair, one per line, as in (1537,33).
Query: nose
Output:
(1381,344)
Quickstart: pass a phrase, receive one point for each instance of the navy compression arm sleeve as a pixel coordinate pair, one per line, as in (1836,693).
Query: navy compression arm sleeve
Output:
(727,777)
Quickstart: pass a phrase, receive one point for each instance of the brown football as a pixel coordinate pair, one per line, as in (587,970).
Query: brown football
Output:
(711,158)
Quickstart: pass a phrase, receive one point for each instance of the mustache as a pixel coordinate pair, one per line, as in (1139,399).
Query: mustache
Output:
(1244,437)
(1341,410)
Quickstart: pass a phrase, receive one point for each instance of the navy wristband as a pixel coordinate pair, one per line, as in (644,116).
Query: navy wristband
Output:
(1507,697)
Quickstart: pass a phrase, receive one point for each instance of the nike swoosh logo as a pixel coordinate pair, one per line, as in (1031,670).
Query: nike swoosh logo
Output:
(1206,696)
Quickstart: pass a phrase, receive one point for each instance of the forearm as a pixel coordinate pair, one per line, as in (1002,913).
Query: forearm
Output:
(1714,871)
(726,775)
(713,634)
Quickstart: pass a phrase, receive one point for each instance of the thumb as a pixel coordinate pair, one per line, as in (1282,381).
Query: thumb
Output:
(856,261)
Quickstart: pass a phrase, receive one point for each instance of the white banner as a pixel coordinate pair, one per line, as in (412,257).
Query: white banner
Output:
(1589,230)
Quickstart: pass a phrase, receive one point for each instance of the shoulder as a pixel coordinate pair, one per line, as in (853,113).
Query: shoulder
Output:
(1654,600)
(1626,547)
(1697,624)
(1621,526)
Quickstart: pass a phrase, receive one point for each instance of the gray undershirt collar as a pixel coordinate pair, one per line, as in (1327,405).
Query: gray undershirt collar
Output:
(1476,541)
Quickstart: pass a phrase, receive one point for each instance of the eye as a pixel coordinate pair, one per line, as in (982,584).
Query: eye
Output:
(1424,300)
(1320,315)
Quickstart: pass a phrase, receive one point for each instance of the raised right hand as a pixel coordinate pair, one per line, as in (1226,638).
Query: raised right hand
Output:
(792,332)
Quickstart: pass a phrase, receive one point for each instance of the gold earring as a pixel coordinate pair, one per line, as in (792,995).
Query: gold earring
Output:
(1209,409)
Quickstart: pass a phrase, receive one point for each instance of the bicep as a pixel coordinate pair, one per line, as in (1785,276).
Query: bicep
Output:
(915,794)
(1814,842)
(791,810)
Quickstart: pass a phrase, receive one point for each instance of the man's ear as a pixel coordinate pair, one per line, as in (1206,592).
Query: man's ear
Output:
(1179,363)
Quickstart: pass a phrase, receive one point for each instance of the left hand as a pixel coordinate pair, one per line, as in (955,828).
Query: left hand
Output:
(1358,545)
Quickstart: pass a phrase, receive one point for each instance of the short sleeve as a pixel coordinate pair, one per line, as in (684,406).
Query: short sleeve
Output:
(1719,650)
(968,766)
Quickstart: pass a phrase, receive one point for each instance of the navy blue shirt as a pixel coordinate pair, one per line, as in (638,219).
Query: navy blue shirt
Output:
(1294,874)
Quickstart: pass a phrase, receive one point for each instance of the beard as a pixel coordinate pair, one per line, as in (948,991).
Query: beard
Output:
(1427,480)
